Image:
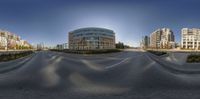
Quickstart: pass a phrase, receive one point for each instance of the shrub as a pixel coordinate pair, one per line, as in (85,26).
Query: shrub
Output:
(193,58)
(89,51)
(158,53)
(13,56)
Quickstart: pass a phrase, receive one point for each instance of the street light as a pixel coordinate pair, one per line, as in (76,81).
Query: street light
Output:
(6,42)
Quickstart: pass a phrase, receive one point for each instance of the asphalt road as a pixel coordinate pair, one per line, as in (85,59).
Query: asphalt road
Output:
(125,75)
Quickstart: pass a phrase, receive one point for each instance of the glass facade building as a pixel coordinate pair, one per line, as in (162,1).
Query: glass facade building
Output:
(91,39)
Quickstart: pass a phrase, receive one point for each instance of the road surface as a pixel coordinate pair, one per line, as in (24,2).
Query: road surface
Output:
(125,75)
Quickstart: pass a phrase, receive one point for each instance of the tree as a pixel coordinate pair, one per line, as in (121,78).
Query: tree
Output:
(120,45)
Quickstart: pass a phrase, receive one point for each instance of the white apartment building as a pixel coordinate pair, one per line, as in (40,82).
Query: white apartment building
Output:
(190,38)
(3,42)
(10,40)
(162,38)
(167,38)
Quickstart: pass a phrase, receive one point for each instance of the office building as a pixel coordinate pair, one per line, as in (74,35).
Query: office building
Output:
(91,39)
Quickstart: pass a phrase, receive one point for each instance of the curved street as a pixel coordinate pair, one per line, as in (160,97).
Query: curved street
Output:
(130,74)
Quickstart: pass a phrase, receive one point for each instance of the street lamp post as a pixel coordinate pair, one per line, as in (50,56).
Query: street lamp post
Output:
(7,44)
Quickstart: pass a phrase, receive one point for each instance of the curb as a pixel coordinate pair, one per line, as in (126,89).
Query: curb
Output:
(11,68)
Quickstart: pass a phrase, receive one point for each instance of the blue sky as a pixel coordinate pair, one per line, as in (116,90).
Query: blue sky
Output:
(49,21)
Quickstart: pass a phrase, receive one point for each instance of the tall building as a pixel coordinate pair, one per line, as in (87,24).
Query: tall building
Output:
(155,39)
(91,39)
(190,38)
(162,38)
(145,42)
(167,39)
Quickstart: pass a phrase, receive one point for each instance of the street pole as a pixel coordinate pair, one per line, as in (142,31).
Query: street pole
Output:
(6,44)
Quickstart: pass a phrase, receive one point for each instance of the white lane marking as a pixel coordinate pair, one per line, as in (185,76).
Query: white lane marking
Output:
(52,58)
(83,84)
(149,65)
(24,61)
(111,66)
(92,65)
(49,76)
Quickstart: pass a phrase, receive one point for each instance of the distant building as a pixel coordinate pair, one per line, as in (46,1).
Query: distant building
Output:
(91,39)
(162,38)
(145,42)
(62,46)
(59,46)
(65,45)
(190,38)
(40,46)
